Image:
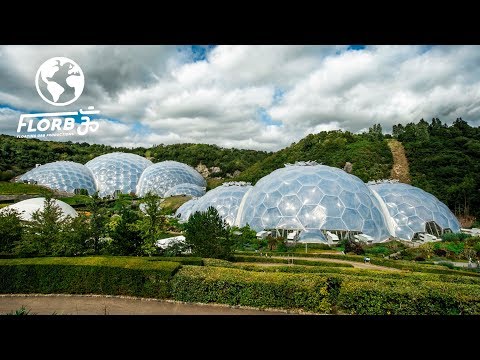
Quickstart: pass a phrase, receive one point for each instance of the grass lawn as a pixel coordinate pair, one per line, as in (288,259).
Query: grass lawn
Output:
(8,188)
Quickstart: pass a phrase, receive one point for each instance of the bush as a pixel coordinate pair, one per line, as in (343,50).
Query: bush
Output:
(184,260)
(265,259)
(408,298)
(446,264)
(87,275)
(455,237)
(208,235)
(247,288)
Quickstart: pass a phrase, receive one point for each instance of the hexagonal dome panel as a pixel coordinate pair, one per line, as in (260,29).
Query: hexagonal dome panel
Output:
(62,175)
(225,198)
(328,199)
(186,189)
(411,208)
(184,211)
(117,171)
(163,176)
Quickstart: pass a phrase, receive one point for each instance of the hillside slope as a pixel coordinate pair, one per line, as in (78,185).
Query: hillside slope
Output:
(369,155)
(400,169)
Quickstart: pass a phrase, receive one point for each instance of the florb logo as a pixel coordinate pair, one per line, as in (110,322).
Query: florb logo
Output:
(59,81)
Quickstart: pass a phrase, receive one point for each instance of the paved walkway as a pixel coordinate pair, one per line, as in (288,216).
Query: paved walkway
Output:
(112,305)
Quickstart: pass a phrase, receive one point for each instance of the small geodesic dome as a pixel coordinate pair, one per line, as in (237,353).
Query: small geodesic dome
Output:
(226,198)
(62,175)
(309,197)
(163,176)
(27,207)
(117,171)
(414,210)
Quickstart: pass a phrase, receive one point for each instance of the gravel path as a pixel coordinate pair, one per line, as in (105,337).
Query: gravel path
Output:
(113,305)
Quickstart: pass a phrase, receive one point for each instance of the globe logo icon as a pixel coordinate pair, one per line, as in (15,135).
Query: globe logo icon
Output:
(59,81)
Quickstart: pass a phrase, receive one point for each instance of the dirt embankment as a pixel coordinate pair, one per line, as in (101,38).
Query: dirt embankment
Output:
(400,169)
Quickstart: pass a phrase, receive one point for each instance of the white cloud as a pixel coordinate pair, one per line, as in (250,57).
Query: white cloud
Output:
(160,95)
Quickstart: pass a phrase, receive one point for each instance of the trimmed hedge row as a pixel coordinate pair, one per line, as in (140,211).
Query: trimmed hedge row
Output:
(248,288)
(360,274)
(198,261)
(87,275)
(397,264)
(407,298)
(285,261)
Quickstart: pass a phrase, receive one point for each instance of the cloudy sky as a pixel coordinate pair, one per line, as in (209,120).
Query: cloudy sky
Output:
(255,97)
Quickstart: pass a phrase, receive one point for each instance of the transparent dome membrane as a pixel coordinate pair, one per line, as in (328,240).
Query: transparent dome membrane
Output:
(226,199)
(186,189)
(62,175)
(26,208)
(117,172)
(313,197)
(163,176)
(413,210)
(184,211)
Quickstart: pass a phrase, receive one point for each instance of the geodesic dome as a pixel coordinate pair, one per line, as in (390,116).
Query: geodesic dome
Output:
(27,207)
(62,175)
(226,198)
(413,210)
(163,176)
(186,189)
(117,171)
(312,197)
(184,211)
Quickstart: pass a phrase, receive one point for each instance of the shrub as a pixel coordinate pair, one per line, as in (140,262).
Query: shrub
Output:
(408,298)
(87,275)
(446,264)
(455,236)
(248,288)
(265,259)
(184,260)
(208,235)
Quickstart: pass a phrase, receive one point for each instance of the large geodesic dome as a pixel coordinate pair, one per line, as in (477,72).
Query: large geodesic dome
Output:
(414,210)
(309,197)
(27,207)
(226,198)
(186,189)
(117,171)
(163,176)
(184,211)
(62,175)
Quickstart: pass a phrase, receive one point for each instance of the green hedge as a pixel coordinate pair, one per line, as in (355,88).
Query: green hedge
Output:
(180,259)
(408,298)
(248,288)
(264,259)
(87,275)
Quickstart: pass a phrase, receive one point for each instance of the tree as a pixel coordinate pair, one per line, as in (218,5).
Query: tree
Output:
(97,222)
(151,223)
(208,235)
(44,231)
(126,237)
(11,229)
(75,237)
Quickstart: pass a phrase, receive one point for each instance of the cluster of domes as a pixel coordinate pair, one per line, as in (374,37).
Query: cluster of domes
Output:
(118,172)
(315,199)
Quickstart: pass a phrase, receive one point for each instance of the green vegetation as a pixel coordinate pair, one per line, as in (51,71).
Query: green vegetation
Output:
(443,160)
(21,311)
(368,153)
(208,235)
(264,259)
(263,290)
(20,155)
(90,275)
(171,204)
(8,188)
